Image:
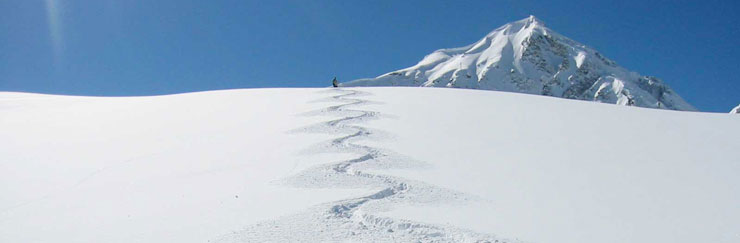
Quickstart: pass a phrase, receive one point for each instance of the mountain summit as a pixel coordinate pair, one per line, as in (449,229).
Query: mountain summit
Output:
(527,57)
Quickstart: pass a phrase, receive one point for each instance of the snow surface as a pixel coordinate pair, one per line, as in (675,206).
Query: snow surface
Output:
(526,57)
(362,165)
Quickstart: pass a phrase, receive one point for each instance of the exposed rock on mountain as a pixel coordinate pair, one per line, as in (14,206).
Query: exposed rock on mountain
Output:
(527,57)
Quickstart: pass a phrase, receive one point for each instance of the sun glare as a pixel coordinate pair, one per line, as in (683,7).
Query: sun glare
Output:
(55,32)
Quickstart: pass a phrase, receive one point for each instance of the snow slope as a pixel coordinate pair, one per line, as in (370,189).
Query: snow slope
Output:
(152,169)
(527,57)
(362,165)
(735,110)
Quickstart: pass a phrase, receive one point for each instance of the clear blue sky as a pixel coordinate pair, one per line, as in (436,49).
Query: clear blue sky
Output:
(136,47)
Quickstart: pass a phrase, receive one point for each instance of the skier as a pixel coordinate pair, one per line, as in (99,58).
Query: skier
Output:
(335,83)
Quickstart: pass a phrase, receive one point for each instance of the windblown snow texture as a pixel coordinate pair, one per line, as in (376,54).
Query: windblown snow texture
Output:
(527,57)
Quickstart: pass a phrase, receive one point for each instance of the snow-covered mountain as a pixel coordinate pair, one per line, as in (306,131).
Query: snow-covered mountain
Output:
(527,57)
(735,110)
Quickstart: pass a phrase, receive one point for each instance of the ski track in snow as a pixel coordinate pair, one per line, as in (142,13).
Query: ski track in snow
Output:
(352,220)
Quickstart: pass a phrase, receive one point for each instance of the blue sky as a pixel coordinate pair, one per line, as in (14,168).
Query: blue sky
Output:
(113,47)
